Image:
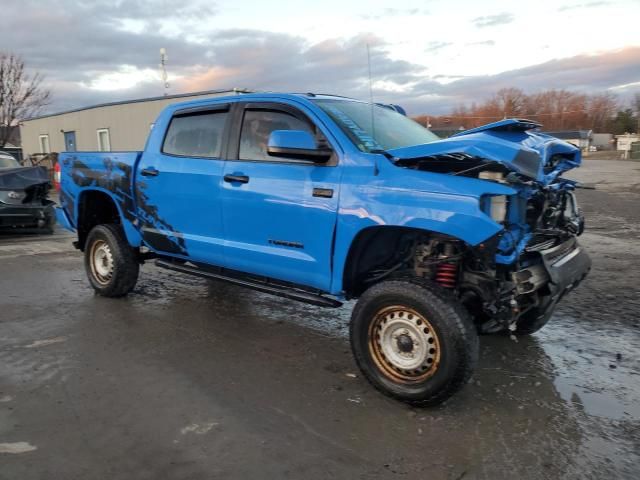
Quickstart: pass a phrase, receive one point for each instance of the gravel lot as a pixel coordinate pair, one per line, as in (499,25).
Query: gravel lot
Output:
(190,379)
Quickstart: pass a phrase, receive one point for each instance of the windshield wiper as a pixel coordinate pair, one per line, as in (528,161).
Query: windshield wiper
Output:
(381,152)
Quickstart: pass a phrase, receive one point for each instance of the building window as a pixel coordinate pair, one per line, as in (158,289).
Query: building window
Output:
(44,144)
(104,143)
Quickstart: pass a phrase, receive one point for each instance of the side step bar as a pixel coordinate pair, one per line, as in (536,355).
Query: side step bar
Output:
(264,286)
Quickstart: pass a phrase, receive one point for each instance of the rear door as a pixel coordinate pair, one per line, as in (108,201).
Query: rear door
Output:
(279,215)
(177,185)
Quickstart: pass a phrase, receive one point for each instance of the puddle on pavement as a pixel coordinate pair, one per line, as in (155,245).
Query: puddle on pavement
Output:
(597,405)
(588,373)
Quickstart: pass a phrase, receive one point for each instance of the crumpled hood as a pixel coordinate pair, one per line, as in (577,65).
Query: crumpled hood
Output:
(512,143)
(22,178)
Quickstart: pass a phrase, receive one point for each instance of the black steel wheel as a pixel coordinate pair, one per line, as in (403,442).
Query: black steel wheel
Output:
(413,341)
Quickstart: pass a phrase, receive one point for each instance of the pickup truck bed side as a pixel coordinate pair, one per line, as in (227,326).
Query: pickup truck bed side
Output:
(107,174)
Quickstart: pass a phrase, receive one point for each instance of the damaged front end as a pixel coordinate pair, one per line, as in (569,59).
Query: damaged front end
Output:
(521,273)
(24,198)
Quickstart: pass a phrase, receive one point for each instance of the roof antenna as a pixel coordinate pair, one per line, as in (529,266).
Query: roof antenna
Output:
(373,126)
(163,70)
(376,169)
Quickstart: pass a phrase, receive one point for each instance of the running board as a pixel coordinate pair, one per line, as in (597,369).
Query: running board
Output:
(264,286)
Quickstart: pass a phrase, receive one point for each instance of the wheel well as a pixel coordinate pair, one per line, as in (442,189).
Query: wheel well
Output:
(95,208)
(376,247)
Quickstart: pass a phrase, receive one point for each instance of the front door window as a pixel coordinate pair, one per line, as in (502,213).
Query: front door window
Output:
(256,128)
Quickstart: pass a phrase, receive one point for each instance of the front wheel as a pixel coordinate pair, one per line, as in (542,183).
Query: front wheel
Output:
(111,264)
(413,341)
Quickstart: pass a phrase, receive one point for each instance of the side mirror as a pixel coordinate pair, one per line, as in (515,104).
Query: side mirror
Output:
(297,144)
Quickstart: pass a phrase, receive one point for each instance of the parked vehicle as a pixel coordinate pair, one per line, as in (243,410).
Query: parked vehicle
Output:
(24,196)
(321,199)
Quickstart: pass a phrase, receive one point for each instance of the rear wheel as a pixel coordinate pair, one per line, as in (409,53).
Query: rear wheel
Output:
(111,264)
(413,341)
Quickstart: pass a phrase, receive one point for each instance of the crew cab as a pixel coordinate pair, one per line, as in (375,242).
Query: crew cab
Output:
(321,199)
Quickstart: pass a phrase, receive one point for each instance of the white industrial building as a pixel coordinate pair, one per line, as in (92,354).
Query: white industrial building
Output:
(107,127)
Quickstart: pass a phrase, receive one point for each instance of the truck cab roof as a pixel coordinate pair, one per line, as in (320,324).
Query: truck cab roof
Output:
(261,96)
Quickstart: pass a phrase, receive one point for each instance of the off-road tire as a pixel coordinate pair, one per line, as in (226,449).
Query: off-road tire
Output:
(456,336)
(124,265)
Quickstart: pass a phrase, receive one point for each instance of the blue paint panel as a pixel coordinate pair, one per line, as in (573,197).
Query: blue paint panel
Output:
(185,195)
(274,226)
(63,220)
(106,173)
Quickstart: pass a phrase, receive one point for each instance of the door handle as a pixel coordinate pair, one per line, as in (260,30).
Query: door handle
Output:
(236,178)
(323,192)
(149,172)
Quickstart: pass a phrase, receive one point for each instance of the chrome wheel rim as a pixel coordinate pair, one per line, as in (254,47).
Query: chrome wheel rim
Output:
(404,344)
(101,261)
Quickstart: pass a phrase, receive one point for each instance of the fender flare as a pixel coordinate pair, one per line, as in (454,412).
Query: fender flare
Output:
(479,229)
(131,232)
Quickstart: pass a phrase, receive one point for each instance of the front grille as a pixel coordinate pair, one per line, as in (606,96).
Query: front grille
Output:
(560,251)
(537,246)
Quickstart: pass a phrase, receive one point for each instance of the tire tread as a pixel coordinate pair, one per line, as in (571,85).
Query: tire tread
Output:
(126,265)
(466,345)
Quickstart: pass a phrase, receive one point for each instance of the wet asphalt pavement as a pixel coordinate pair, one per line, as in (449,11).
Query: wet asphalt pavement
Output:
(190,379)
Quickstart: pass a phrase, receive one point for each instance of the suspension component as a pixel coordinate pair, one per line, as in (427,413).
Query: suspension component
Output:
(447,274)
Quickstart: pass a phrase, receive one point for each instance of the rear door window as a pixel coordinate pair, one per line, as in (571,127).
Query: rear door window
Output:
(196,135)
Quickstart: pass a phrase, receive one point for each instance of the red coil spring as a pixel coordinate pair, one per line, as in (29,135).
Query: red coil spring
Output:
(447,275)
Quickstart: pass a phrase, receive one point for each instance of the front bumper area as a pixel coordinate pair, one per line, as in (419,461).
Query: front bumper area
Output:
(561,268)
(567,265)
(26,216)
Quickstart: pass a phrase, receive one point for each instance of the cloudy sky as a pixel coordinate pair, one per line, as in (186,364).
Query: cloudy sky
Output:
(428,55)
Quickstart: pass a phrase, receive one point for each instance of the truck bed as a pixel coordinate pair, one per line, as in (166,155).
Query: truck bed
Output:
(110,172)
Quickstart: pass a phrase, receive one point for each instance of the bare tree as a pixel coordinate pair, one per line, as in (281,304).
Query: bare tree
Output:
(21,95)
(510,102)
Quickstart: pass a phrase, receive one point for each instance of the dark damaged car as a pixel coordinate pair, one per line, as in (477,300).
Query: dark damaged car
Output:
(24,196)
(323,199)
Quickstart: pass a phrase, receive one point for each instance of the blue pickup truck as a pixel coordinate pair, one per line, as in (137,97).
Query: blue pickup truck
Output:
(322,199)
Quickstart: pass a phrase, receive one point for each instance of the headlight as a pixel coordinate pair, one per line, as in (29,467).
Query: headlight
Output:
(498,208)
(495,206)
(12,197)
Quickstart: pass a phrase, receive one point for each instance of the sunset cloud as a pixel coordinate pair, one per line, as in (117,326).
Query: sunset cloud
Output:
(92,52)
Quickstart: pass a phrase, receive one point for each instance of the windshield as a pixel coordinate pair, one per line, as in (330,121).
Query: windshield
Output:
(7,161)
(387,131)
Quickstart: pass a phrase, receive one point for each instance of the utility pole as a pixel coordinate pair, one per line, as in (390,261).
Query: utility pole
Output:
(163,69)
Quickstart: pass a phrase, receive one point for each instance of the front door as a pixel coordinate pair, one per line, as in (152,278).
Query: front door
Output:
(279,215)
(70,141)
(178,186)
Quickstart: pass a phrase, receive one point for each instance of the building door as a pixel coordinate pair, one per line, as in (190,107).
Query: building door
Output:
(70,141)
